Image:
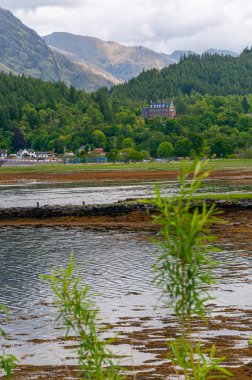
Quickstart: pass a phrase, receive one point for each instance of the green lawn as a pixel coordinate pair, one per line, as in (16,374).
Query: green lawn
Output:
(224,164)
(233,197)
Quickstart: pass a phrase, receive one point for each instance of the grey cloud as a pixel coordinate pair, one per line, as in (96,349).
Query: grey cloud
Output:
(158,24)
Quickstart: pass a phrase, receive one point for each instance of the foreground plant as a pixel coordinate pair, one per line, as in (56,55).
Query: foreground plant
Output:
(184,271)
(7,361)
(78,313)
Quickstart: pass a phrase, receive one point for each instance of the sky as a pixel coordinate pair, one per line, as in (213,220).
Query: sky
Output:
(161,25)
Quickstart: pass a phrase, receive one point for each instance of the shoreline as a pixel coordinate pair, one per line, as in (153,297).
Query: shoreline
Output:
(123,214)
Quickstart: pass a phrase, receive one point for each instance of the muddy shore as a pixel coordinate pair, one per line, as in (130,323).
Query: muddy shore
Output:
(112,176)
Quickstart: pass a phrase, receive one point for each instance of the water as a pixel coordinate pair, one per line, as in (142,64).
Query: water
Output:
(27,195)
(117,267)
(114,264)
(111,262)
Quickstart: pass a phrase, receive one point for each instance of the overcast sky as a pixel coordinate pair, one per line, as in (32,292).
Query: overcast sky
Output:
(162,25)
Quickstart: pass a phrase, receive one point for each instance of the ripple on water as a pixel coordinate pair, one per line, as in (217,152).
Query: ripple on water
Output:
(28,195)
(115,264)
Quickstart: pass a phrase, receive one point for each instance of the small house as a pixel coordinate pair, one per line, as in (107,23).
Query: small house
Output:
(99,151)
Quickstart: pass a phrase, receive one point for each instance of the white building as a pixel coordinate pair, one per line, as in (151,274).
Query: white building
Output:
(26,153)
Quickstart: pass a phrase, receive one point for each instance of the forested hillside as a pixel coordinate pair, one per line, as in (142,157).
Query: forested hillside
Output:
(206,74)
(43,116)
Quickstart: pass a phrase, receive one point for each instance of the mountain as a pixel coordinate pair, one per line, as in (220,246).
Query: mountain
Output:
(206,74)
(221,52)
(81,76)
(177,54)
(85,62)
(122,62)
(23,51)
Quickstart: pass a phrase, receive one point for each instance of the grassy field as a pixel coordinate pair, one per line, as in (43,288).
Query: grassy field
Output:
(224,164)
(232,197)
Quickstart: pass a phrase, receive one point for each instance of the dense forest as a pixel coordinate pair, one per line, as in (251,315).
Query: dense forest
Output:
(211,109)
(205,74)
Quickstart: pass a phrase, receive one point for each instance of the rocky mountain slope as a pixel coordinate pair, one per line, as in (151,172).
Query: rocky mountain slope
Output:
(23,51)
(123,62)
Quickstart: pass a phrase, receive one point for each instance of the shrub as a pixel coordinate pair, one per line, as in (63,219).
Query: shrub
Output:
(184,272)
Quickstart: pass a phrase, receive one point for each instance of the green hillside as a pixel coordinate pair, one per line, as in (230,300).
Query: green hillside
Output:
(206,74)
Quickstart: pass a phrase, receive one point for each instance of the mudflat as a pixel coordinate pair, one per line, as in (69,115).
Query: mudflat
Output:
(116,176)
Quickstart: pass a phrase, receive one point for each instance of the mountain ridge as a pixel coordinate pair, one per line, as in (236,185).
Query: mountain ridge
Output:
(121,61)
(23,51)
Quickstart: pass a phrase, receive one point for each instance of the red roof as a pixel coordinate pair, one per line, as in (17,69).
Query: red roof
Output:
(100,150)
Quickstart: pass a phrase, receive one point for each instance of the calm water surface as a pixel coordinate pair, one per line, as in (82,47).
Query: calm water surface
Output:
(117,267)
(26,195)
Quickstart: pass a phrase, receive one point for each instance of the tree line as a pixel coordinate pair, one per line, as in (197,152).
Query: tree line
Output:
(45,116)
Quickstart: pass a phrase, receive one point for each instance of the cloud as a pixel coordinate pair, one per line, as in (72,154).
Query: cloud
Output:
(33,4)
(163,25)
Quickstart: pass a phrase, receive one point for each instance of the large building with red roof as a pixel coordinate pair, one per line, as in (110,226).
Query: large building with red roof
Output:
(165,108)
